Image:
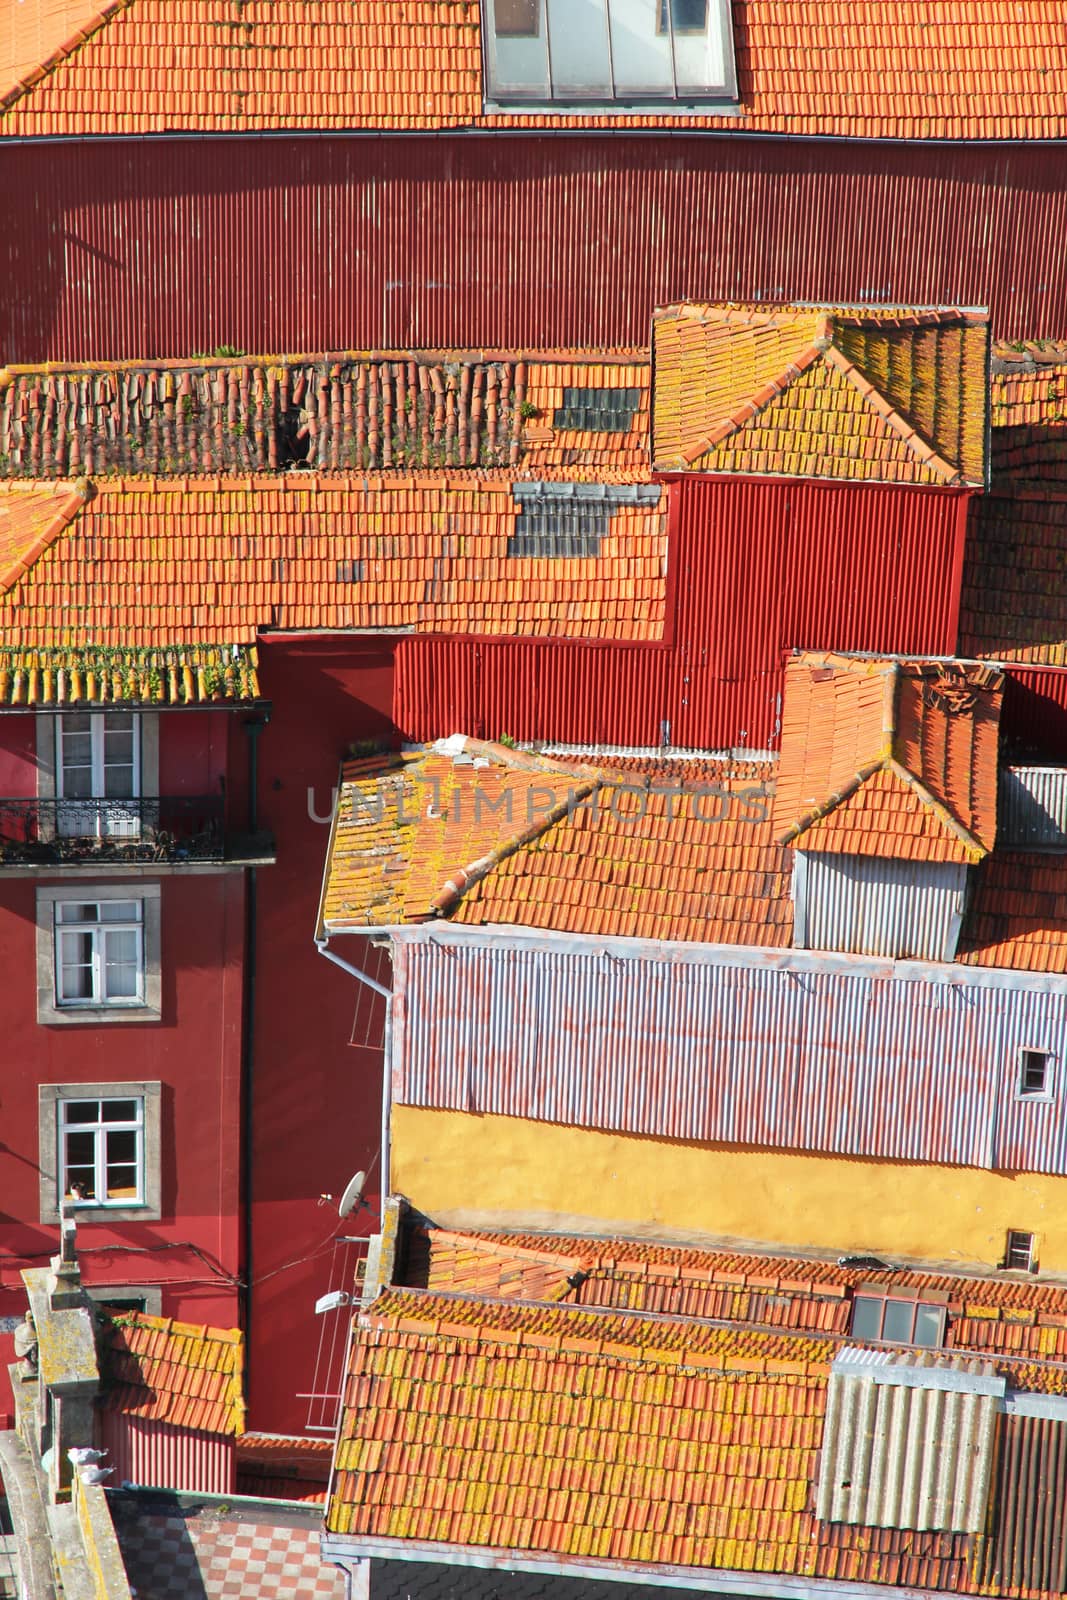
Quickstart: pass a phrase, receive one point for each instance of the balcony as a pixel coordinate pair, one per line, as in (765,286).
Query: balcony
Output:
(168,831)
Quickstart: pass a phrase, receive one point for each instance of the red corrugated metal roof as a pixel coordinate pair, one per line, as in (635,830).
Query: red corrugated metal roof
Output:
(918,69)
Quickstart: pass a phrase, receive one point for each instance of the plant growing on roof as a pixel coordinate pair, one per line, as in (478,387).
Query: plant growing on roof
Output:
(527,410)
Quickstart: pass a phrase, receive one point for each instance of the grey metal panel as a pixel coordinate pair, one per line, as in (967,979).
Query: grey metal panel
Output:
(897,1456)
(962,1376)
(1032,808)
(866,905)
(844,1062)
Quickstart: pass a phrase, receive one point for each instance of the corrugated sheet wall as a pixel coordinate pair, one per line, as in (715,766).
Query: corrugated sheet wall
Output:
(839,1062)
(1032,807)
(1026,1551)
(866,906)
(1033,722)
(901,1457)
(154,1454)
(754,569)
(147,248)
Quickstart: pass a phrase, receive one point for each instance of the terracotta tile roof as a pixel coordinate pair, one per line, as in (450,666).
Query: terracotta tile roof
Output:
(179,675)
(842,68)
(1018,915)
(684,852)
(1001,1316)
(1028,414)
(874,395)
(349,411)
(1013,605)
(186,1375)
(889,758)
(276,1467)
(155,562)
(577,1434)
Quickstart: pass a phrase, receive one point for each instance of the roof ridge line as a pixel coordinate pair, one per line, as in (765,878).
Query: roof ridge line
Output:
(491,1247)
(940,810)
(762,398)
(78,496)
(893,419)
(456,886)
(63,53)
(805,821)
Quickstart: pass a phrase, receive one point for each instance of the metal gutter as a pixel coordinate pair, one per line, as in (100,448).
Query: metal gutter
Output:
(727,1582)
(945,975)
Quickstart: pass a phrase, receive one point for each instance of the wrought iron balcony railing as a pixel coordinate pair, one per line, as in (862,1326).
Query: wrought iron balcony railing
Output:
(152,828)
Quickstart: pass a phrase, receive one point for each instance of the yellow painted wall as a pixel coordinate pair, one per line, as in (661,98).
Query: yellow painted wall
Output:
(467,1170)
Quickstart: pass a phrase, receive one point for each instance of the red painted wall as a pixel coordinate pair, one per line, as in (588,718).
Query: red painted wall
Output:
(317,1102)
(140,248)
(18,755)
(194,1052)
(755,567)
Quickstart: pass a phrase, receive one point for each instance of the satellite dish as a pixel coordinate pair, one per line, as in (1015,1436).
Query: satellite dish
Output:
(352,1196)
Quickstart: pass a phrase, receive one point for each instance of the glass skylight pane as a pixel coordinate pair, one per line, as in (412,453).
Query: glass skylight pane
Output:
(578,49)
(641,52)
(518,50)
(866,1317)
(898,1320)
(928,1321)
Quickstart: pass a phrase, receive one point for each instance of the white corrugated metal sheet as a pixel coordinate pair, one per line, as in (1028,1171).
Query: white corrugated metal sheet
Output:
(1032,808)
(869,906)
(842,1061)
(155,1455)
(897,1456)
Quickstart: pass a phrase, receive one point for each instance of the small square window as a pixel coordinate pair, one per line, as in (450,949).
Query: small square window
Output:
(898,1317)
(1019,1253)
(517,19)
(1035,1075)
(682,16)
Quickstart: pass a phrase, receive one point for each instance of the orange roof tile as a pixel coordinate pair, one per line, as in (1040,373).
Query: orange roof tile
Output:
(842,68)
(1028,414)
(681,852)
(1018,915)
(175,1372)
(988,1315)
(874,395)
(579,1434)
(157,562)
(889,758)
(349,410)
(1013,605)
(31,521)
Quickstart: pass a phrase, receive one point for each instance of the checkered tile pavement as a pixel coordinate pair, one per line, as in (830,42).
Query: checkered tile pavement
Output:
(198,1556)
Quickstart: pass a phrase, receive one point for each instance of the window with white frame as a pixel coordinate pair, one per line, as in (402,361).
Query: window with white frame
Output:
(101,1151)
(665,53)
(1035,1081)
(98,759)
(99,1146)
(98,953)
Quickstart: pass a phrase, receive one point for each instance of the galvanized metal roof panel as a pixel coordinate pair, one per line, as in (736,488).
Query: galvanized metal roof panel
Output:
(895,1456)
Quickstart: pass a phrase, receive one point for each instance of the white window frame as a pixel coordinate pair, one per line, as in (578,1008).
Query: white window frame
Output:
(52,1098)
(686,98)
(49,776)
(147,1007)
(1039,1096)
(97,1130)
(98,929)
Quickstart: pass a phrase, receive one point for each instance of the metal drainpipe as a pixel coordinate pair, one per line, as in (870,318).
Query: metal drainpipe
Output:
(253,727)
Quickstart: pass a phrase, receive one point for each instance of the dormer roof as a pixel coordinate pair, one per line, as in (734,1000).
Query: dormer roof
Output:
(889,758)
(864,395)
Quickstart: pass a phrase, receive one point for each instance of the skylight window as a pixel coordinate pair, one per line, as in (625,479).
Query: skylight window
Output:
(569,520)
(608,52)
(597,410)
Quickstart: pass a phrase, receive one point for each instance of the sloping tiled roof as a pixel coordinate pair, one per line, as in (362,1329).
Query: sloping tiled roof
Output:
(916,69)
(175,1372)
(179,675)
(350,411)
(278,1467)
(156,562)
(31,519)
(1002,1316)
(869,396)
(889,758)
(577,1434)
(1018,915)
(682,852)
(1028,413)
(1013,605)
